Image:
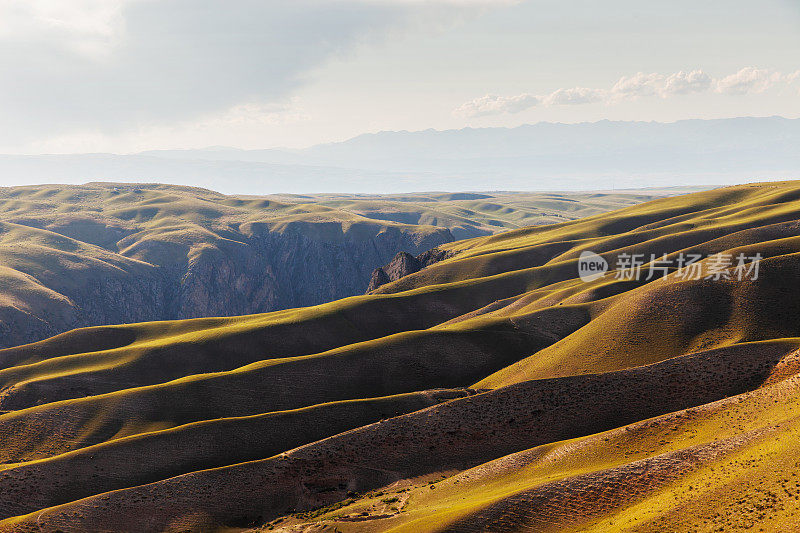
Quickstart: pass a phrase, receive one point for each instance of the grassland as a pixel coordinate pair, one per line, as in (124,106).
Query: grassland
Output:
(105,253)
(491,391)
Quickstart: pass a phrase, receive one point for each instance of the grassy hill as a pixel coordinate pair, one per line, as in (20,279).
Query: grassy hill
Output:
(493,390)
(73,256)
(469,215)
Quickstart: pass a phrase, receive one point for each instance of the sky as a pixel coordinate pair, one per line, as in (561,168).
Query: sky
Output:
(129,75)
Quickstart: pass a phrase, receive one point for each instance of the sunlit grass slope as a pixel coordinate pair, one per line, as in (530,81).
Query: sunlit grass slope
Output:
(494,390)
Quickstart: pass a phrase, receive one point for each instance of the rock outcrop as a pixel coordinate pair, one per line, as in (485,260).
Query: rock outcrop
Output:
(404,264)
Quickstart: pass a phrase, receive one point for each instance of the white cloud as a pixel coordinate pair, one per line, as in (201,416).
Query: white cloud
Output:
(640,84)
(748,80)
(575,96)
(665,86)
(682,82)
(627,88)
(89,28)
(496,105)
(87,17)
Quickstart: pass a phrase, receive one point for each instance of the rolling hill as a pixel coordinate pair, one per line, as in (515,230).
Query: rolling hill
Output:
(492,390)
(104,253)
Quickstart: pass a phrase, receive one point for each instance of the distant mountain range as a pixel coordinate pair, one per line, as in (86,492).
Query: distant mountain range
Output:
(543,156)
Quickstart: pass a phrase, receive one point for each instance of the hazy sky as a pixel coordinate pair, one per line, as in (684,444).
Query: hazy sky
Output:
(128,75)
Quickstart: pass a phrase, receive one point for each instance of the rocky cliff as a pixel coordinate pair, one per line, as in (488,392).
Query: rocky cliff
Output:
(281,270)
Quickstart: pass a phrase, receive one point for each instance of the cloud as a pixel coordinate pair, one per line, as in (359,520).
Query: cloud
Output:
(652,84)
(575,96)
(748,80)
(682,82)
(496,105)
(86,29)
(640,85)
(119,65)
